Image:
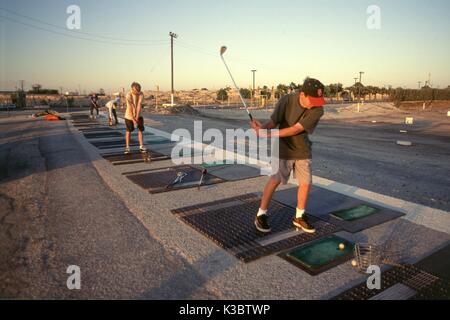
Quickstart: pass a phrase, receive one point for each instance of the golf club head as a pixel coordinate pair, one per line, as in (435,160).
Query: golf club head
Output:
(223,50)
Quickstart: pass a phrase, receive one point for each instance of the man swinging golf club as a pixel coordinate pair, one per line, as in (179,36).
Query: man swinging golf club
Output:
(296,115)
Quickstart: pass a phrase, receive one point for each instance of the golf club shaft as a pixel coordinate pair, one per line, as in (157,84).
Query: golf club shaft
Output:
(237,87)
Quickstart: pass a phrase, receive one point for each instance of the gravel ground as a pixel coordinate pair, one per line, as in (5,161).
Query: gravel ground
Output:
(56,211)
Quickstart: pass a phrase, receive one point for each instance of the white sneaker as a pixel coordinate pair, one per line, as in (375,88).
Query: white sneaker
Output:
(143,149)
(127,151)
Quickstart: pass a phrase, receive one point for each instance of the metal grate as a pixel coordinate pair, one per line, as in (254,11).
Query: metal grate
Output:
(137,157)
(157,181)
(230,224)
(99,135)
(113,144)
(95,130)
(79,116)
(427,286)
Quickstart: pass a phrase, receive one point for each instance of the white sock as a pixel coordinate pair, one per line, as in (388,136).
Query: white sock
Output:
(261,212)
(300,213)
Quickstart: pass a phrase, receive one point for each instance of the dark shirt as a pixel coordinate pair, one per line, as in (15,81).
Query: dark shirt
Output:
(288,113)
(94,101)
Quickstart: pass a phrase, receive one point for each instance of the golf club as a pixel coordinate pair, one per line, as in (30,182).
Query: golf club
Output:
(223,49)
(178,179)
(204,172)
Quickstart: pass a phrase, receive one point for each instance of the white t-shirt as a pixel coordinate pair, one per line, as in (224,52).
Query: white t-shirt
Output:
(110,104)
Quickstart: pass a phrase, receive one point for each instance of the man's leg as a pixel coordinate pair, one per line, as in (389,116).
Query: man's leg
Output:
(141,138)
(92,111)
(270,188)
(115,115)
(303,174)
(127,139)
(141,128)
(302,197)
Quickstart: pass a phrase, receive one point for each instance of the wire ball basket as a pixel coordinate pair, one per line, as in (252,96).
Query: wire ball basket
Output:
(367,255)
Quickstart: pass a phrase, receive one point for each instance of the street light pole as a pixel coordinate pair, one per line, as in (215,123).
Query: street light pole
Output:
(172,36)
(360,84)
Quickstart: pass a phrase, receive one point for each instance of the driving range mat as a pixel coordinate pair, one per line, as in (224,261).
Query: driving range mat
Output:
(99,135)
(234,172)
(160,180)
(153,140)
(95,130)
(354,213)
(113,144)
(425,286)
(320,255)
(230,224)
(119,159)
(87,125)
(335,208)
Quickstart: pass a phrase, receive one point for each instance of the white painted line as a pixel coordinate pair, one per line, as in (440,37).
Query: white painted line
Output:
(438,220)
(404,143)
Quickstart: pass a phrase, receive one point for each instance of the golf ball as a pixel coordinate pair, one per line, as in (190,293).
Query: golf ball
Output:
(341,246)
(354,263)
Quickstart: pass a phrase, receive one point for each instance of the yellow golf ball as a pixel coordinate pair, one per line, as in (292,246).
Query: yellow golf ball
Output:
(341,246)
(354,263)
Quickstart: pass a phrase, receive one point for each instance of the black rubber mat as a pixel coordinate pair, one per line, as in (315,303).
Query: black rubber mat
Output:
(234,172)
(113,144)
(158,180)
(320,255)
(230,224)
(425,284)
(155,140)
(322,203)
(99,135)
(118,159)
(86,125)
(95,130)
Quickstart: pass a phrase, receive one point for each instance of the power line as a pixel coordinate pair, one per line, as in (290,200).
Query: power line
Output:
(81,32)
(75,36)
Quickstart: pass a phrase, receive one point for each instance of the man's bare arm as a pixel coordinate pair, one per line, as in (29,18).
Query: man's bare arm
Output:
(283,133)
(269,125)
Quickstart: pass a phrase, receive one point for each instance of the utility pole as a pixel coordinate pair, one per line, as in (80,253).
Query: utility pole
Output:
(22,82)
(420,84)
(172,36)
(360,84)
(253,92)
(156,97)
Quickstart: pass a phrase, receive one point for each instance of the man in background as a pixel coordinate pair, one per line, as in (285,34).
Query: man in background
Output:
(133,117)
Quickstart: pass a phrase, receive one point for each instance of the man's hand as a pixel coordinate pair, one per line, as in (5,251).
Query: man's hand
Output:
(256,125)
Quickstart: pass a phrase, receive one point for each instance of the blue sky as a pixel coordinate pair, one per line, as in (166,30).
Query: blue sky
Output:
(285,41)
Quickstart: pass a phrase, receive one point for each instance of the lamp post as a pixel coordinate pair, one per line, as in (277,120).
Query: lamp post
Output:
(172,36)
